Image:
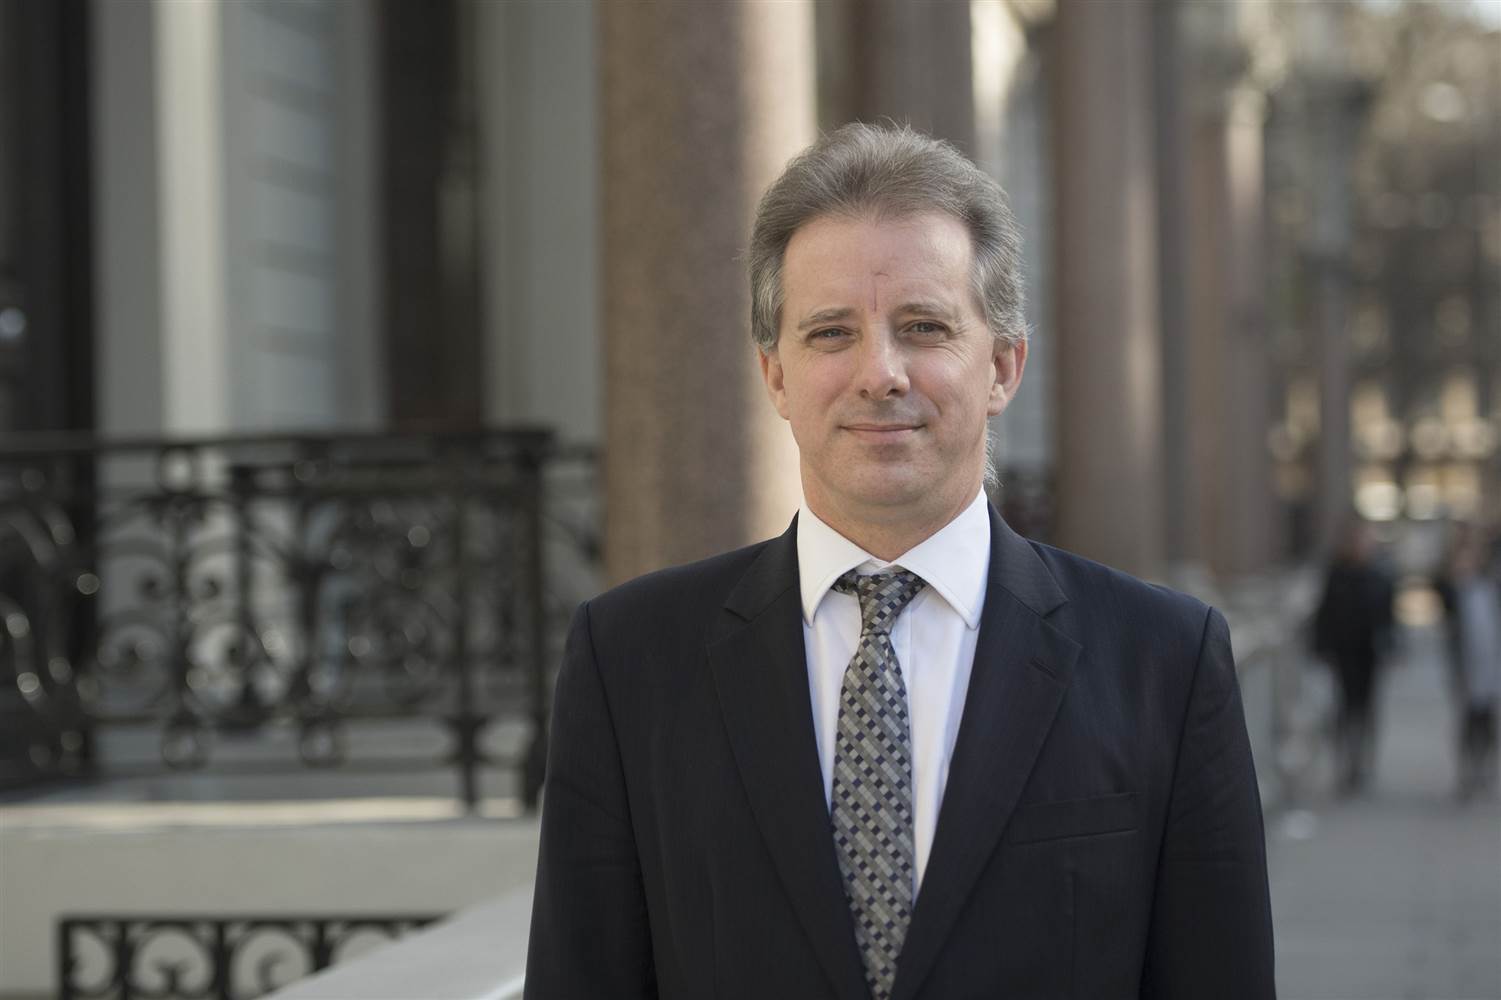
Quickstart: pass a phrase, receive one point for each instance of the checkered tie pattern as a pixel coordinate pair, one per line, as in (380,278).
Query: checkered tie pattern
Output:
(871,805)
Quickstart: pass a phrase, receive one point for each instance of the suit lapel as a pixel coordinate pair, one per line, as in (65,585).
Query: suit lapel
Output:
(761,677)
(1021,671)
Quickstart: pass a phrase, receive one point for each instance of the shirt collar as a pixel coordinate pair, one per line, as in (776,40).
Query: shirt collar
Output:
(954,560)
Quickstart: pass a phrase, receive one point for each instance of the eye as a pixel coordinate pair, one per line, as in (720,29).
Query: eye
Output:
(828,334)
(927,329)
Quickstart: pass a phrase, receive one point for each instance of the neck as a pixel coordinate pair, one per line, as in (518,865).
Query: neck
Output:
(887,534)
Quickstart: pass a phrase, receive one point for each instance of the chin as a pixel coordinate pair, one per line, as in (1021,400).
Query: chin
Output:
(891,491)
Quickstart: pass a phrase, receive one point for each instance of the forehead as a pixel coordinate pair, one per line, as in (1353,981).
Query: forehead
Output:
(842,254)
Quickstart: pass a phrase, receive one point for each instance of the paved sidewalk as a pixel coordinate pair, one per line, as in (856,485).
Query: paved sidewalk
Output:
(1395,893)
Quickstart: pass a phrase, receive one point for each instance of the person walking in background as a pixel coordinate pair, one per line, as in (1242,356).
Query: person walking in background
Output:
(1472,606)
(1352,630)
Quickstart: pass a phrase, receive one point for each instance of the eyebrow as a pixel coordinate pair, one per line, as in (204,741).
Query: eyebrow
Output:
(925,309)
(837,313)
(833,315)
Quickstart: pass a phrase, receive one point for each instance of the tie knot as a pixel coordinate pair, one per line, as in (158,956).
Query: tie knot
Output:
(882,596)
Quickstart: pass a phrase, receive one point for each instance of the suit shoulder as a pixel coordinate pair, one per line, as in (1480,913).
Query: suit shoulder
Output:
(1102,590)
(682,590)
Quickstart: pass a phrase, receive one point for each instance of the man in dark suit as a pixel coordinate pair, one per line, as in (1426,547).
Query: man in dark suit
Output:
(899,751)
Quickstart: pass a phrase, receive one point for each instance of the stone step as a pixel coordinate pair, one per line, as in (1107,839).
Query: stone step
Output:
(362,856)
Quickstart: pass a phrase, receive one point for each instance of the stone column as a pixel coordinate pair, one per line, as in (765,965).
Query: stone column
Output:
(1335,98)
(1229,510)
(196,385)
(897,59)
(540,177)
(1250,535)
(1108,369)
(702,105)
(1201,283)
(130,379)
(1182,547)
(1334,116)
(1226,513)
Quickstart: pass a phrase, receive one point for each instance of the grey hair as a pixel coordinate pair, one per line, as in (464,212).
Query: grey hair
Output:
(887,170)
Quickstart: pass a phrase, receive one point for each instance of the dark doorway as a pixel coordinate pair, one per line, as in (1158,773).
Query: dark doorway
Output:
(46,349)
(46,335)
(430,271)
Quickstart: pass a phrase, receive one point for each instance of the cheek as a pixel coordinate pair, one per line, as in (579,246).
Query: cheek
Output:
(798,405)
(812,390)
(951,383)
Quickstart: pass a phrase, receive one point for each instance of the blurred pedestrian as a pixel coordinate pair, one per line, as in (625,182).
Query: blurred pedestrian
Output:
(1472,606)
(1352,632)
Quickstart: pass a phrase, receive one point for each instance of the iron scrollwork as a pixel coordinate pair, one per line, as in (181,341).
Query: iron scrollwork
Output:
(209,958)
(312,587)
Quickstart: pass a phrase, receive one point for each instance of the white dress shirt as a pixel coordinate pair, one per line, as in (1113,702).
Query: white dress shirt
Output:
(934,638)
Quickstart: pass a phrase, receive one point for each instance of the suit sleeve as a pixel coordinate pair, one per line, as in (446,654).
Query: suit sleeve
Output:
(589,934)
(1211,926)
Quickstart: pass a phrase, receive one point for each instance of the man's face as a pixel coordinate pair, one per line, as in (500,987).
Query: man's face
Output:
(885,368)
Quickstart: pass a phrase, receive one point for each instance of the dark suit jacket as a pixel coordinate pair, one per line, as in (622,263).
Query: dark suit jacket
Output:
(1100,833)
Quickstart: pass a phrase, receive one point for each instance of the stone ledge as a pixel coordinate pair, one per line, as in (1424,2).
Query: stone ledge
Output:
(239,858)
(478,954)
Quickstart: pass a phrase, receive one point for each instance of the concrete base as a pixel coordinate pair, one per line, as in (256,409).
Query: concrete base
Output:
(479,954)
(353,856)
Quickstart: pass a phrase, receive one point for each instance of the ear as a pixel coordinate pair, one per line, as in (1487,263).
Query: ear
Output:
(771,374)
(1009,360)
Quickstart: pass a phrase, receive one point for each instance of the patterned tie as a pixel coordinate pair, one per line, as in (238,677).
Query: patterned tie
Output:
(871,805)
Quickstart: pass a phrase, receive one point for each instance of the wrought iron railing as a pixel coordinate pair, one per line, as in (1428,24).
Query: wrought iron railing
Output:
(377,602)
(208,958)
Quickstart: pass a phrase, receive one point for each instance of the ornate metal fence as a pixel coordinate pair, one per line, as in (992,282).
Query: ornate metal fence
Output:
(367,602)
(208,958)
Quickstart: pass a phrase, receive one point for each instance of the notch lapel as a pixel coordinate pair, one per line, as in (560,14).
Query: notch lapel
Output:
(761,678)
(1021,671)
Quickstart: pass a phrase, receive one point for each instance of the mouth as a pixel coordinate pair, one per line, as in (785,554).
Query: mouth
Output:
(882,432)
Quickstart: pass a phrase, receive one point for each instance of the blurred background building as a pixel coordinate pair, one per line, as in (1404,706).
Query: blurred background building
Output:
(345,346)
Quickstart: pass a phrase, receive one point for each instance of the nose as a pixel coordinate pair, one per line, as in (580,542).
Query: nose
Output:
(883,371)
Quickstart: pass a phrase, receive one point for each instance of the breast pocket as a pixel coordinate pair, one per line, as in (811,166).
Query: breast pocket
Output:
(1082,859)
(1091,817)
